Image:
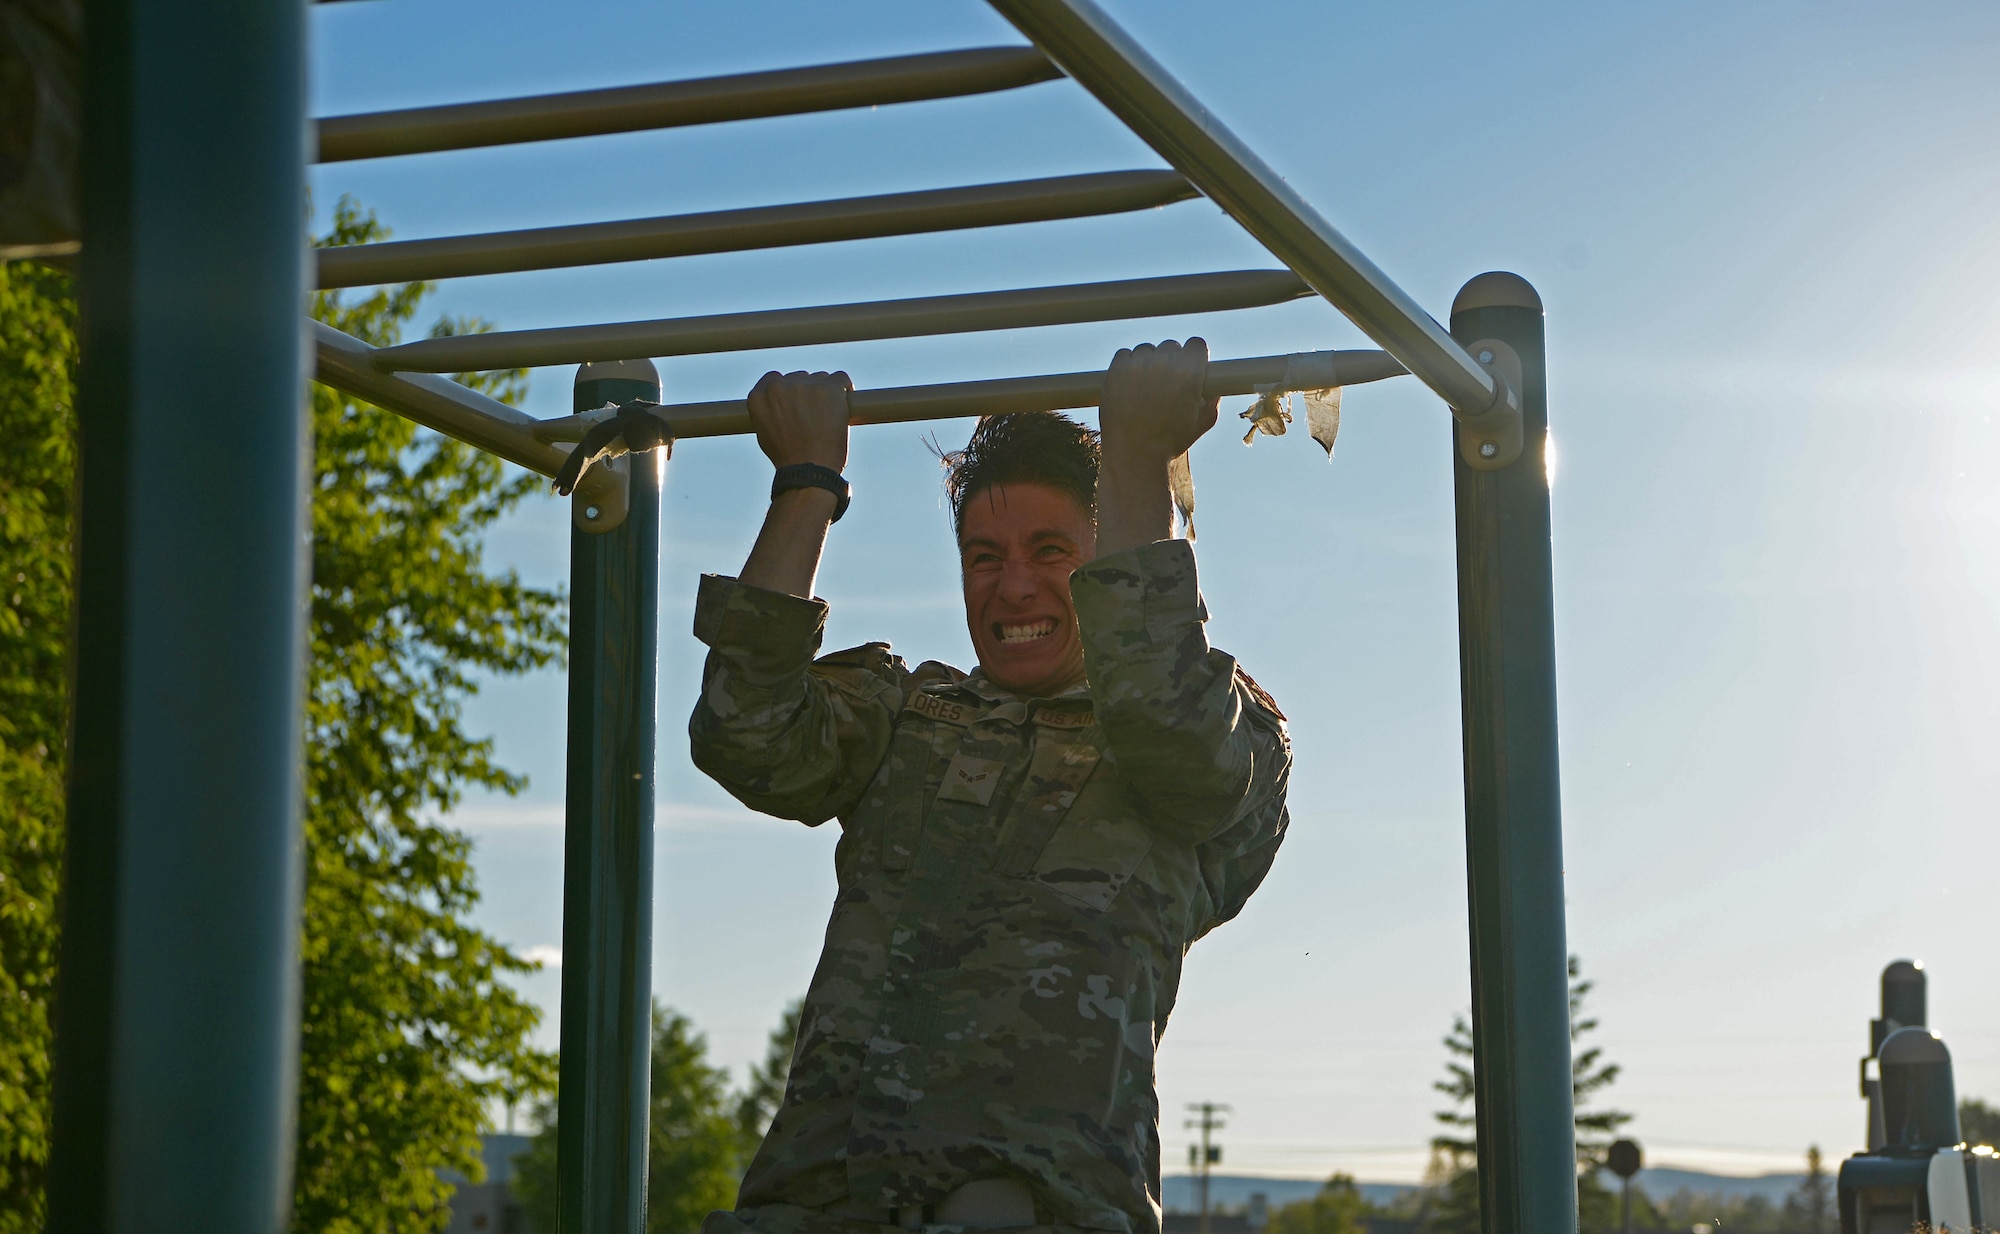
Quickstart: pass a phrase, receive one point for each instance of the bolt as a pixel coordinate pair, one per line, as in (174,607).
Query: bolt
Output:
(1486,356)
(590,512)
(1489,449)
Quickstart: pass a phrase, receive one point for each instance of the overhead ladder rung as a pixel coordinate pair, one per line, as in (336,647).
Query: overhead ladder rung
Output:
(843,323)
(762,227)
(706,100)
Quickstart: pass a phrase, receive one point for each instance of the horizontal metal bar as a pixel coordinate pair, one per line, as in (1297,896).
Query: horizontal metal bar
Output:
(435,402)
(1105,60)
(342,361)
(708,100)
(842,323)
(729,231)
(1311,370)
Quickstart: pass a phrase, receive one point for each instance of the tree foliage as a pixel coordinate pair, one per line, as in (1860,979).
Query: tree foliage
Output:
(37,465)
(410,1030)
(1453,1203)
(1338,1208)
(695,1150)
(1978,1122)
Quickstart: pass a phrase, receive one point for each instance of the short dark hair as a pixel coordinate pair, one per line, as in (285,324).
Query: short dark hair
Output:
(1023,447)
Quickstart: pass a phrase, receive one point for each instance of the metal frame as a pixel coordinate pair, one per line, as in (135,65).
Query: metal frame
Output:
(176,1017)
(1488,368)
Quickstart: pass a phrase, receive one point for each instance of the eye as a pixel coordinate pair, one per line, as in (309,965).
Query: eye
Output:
(1052,552)
(982,561)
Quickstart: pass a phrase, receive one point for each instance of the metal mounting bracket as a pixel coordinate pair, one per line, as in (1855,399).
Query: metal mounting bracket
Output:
(1492,440)
(604,498)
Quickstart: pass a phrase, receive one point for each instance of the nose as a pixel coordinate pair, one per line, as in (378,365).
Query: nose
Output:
(1019,582)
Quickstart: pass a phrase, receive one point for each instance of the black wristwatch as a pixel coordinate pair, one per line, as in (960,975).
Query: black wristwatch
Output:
(812,475)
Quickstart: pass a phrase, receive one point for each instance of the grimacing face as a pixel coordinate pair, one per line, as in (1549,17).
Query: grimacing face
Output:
(1017,547)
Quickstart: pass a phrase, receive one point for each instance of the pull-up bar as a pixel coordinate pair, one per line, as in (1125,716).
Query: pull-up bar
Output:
(347,363)
(708,100)
(1311,370)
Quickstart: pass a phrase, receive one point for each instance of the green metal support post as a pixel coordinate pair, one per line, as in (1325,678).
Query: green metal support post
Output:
(608,844)
(177,1010)
(1513,800)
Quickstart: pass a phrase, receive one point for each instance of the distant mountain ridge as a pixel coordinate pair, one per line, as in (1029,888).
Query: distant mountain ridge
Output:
(1235,1190)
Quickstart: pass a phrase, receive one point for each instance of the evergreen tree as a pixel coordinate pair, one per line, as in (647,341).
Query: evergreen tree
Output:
(1453,1203)
(1589,1075)
(1809,1209)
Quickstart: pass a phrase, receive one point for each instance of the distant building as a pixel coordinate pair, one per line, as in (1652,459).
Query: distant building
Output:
(490,1207)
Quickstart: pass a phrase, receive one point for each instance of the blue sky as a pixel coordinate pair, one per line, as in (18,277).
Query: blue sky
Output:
(1766,236)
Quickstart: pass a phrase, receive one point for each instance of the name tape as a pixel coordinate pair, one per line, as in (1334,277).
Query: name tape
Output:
(931,707)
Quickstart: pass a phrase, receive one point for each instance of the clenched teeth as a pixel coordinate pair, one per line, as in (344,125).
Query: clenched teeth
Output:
(1027,633)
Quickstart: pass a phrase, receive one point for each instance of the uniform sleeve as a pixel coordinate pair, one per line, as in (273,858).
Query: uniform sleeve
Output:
(1185,728)
(786,735)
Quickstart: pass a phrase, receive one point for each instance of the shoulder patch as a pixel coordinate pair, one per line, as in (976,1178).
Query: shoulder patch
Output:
(1257,692)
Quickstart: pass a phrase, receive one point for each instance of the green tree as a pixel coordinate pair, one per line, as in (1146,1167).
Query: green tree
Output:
(410,1031)
(1453,1177)
(1338,1208)
(1979,1122)
(694,1141)
(408,1028)
(38,427)
(764,1088)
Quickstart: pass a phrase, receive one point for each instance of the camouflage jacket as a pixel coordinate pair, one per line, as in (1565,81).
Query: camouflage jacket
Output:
(1019,881)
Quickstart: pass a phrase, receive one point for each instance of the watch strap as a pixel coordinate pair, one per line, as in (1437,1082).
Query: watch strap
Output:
(812,475)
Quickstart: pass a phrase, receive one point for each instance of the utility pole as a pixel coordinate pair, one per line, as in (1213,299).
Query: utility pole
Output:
(1207,1153)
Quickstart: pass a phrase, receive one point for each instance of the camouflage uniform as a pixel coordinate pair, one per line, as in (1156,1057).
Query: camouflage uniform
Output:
(1019,880)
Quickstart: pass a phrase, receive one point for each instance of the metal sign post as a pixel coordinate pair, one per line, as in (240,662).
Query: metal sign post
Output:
(608,841)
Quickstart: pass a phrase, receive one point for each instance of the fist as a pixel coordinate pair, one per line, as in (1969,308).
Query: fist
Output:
(1152,406)
(802,418)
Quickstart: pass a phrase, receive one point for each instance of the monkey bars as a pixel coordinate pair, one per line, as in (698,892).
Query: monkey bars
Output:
(139,981)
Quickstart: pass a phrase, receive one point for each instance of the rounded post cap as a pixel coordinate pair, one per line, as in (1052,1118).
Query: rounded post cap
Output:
(615,370)
(1906,1046)
(1496,289)
(1904,971)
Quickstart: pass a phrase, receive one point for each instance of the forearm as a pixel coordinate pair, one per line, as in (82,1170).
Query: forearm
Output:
(786,555)
(1134,503)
